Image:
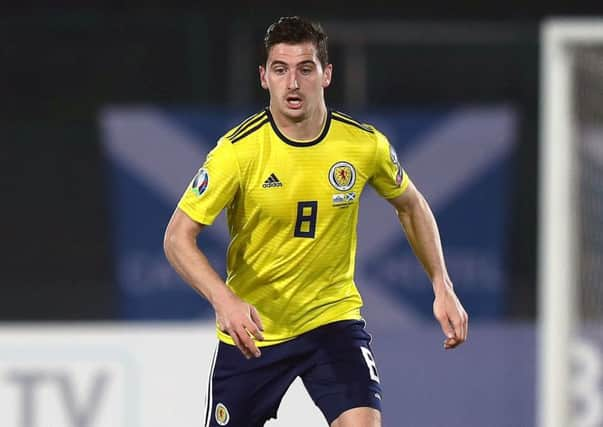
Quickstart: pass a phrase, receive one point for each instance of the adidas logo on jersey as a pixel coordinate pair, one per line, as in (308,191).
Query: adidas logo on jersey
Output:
(272,181)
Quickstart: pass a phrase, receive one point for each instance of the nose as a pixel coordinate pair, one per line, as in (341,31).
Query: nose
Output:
(292,83)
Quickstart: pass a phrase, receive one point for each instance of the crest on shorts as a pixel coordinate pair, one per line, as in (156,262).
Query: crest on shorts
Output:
(200,182)
(342,176)
(222,415)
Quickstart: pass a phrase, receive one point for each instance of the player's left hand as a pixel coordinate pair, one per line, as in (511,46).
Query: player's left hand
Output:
(449,311)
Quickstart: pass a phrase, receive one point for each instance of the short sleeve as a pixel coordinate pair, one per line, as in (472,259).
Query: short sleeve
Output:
(214,186)
(389,178)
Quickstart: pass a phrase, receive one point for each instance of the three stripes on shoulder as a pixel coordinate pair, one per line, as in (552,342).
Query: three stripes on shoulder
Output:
(253,123)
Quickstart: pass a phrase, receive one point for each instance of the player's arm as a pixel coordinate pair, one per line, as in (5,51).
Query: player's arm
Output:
(422,233)
(233,315)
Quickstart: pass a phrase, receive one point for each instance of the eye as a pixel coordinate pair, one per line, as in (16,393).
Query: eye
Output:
(279,70)
(306,70)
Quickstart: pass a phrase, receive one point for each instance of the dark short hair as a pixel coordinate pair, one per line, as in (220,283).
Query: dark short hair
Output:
(293,30)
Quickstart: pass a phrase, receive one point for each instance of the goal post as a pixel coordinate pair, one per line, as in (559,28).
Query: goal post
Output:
(560,220)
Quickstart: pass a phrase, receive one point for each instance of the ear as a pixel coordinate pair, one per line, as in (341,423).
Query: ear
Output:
(263,81)
(327,76)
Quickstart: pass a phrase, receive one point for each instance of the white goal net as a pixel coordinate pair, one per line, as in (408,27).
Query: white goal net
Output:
(570,284)
(588,106)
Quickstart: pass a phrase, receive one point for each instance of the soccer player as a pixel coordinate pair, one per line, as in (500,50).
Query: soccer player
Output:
(290,178)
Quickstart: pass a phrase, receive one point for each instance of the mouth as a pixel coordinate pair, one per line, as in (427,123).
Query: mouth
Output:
(294,102)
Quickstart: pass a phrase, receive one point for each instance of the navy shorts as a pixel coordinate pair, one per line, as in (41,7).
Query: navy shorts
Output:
(335,363)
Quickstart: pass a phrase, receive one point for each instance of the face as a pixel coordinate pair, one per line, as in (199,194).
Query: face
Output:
(295,79)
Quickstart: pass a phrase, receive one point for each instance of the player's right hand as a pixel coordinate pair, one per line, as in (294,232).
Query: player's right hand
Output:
(242,322)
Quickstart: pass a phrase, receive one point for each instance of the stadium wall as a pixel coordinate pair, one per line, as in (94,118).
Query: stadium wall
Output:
(155,375)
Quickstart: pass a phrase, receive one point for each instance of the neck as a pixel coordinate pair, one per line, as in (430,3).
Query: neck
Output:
(304,128)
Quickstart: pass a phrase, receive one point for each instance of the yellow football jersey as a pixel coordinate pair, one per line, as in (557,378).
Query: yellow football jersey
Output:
(292,210)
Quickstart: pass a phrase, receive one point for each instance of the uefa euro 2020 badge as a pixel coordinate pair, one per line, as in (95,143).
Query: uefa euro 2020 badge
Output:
(222,415)
(200,182)
(396,162)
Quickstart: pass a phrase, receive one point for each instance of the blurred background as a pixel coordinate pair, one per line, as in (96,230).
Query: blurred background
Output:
(106,114)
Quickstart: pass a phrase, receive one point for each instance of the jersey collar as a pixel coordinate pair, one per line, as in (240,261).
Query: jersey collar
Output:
(286,140)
